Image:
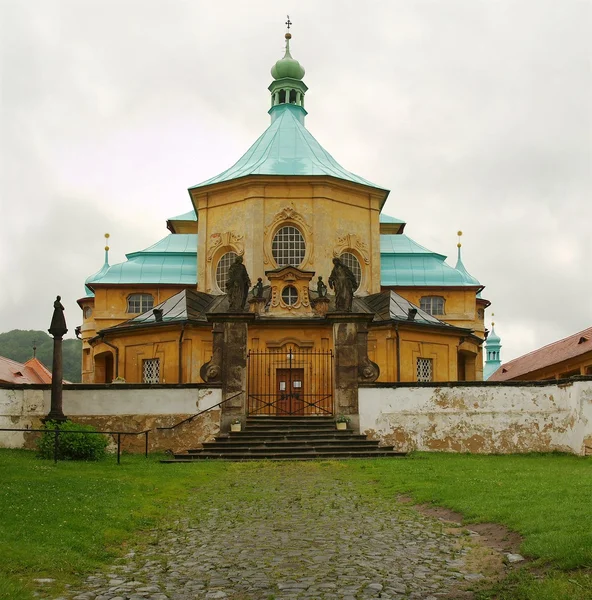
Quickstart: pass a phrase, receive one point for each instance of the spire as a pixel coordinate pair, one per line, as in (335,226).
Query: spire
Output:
(287,87)
(493,346)
(460,267)
(459,263)
(107,236)
(102,271)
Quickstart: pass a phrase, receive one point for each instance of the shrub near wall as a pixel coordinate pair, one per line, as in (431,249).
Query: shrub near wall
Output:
(72,445)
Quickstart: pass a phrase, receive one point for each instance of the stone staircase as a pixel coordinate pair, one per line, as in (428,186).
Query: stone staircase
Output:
(287,438)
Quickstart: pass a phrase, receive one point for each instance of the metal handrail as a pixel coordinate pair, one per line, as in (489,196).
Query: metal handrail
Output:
(201,412)
(57,432)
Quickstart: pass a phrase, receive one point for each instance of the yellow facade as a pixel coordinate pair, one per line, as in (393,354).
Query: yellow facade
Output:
(289,182)
(243,217)
(333,217)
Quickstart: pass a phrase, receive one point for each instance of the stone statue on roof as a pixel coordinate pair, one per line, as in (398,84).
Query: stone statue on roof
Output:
(321,288)
(237,286)
(343,281)
(257,290)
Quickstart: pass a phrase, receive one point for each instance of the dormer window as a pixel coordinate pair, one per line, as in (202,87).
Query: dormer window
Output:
(434,305)
(139,303)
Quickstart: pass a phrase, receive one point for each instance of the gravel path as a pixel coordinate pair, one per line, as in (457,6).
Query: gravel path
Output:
(285,531)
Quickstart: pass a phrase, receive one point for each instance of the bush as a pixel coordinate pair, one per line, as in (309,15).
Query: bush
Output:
(72,446)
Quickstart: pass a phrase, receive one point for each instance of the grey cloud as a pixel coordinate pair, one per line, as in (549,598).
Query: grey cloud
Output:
(474,113)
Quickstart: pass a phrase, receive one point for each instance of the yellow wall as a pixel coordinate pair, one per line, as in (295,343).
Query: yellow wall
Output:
(460,305)
(163,343)
(326,212)
(108,309)
(441,347)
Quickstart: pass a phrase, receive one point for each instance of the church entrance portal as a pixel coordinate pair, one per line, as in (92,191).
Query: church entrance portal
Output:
(290,382)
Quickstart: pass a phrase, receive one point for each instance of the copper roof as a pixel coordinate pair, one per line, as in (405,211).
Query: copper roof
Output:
(562,350)
(33,371)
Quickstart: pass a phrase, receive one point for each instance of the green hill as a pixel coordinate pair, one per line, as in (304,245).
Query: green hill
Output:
(18,345)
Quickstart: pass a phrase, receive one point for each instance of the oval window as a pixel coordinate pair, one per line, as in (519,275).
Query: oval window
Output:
(290,295)
(351,260)
(222,269)
(288,247)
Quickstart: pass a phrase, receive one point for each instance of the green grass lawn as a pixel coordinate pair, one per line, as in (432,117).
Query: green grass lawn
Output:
(62,521)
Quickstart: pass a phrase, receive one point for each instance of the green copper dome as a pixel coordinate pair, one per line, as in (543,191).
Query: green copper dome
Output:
(287,66)
(286,147)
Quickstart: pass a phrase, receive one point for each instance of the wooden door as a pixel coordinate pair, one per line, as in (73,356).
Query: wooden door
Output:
(290,392)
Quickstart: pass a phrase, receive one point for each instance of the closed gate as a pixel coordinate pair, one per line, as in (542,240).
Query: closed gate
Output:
(290,382)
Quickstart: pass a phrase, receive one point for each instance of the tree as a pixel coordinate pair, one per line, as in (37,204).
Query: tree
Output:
(18,345)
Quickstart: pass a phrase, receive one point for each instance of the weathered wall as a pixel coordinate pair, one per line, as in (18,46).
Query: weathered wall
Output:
(480,418)
(117,408)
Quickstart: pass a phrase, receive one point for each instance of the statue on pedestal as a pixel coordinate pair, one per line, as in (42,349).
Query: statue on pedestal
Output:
(257,290)
(237,286)
(321,288)
(343,281)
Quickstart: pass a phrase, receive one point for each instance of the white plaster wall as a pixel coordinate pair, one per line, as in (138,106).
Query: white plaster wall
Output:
(487,419)
(22,408)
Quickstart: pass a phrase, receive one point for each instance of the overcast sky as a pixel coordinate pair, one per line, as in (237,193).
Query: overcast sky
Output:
(476,114)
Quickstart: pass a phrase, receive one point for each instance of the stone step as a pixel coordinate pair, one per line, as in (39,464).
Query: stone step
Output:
(294,455)
(249,431)
(234,443)
(288,448)
(288,438)
(293,421)
(240,437)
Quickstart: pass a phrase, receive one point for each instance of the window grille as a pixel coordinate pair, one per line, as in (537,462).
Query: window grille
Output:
(222,269)
(288,247)
(151,370)
(425,369)
(349,259)
(434,305)
(139,303)
(290,295)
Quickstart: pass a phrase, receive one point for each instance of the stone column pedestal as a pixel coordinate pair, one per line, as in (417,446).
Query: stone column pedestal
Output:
(230,344)
(257,305)
(350,340)
(320,306)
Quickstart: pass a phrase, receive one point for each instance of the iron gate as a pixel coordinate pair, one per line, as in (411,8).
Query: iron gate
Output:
(297,381)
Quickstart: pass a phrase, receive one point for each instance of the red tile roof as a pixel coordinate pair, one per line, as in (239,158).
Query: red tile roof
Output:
(33,371)
(562,350)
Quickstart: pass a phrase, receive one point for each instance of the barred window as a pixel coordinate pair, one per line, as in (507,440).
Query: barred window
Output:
(288,247)
(425,369)
(222,269)
(151,370)
(139,303)
(349,259)
(434,305)
(290,295)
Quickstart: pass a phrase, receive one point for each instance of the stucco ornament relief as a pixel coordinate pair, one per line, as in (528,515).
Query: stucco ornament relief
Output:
(228,239)
(287,216)
(277,300)
(351,241)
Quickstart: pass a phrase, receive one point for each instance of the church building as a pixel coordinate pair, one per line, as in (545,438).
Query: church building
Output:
(290,221)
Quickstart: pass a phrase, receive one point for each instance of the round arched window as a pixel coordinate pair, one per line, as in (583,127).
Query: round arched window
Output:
(290,295)
(288,247)
(222,269)
(349,259)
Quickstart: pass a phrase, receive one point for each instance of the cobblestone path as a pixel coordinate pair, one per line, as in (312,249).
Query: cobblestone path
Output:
(286,531)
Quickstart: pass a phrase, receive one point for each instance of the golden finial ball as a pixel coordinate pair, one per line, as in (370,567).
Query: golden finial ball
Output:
(107,236)
(459,245)
(459,233)
(106,248)
(288,36)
